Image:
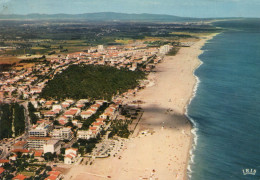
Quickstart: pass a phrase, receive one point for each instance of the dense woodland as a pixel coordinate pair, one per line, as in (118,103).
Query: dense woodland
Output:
(11,115)
(89,81)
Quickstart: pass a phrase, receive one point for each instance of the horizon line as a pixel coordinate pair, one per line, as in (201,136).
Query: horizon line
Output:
(1,14)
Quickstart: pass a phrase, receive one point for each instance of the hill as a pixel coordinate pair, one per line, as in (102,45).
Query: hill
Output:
(102,16)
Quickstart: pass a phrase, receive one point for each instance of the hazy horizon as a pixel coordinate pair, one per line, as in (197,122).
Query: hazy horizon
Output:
(182,8)
(230,17)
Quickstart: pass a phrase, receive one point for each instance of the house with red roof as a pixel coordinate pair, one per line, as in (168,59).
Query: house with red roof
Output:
(98,124)
(23,151)
(3,161)
(104,115)
(63,120)
(71,155)
(50,113)
(2,170)
(38,155)
(20,145)
(95,106)
(48,104)
(100,119)
(72,112)
(86,114)
(94,128)
(13,157)
(19,177)
(53,177)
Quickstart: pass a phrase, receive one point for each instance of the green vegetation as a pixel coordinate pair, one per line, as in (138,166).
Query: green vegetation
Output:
(93,118)
(28,166)
(32,111)
(86,146)
(19,119)
(120,128)
(43,37)
(49,156)
(6,121)
(89,81)
(11,114)
(173,51)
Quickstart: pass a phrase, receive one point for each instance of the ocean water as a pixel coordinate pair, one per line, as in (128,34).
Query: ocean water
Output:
(226,107)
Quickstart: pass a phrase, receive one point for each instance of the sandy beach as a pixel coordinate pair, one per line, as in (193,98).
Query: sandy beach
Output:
(164,153)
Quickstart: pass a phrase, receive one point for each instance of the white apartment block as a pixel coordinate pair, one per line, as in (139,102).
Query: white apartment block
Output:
(52,146)
(62,134)
(41,130)
(85,134)
(37,143)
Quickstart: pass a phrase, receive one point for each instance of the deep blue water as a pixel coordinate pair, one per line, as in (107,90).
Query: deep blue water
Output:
(226,108)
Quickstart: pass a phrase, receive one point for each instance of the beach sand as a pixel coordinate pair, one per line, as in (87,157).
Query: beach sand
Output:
(164,154)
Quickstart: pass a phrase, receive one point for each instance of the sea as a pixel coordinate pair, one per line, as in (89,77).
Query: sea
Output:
(225,109)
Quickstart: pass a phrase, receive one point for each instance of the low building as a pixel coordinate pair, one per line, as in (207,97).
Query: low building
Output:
(71,156)
(38,155)
(54,175)
(86,114)
(13,157)
(19,177)
(22,151)
(81,134)
(20,145)
(3,161)
(2,170)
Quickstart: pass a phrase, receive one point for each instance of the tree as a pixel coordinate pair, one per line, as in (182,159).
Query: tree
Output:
(61,157)
(69,124)
(95,82)
(55,122)
(7,166)
(62,150)
(82,151)
(9,176)
(6,121)
(48,168)
(48,156)
(19,154)
(75,145)
(19,119)
(32,110)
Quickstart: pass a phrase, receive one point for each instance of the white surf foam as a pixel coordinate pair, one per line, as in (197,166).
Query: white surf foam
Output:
(194,124)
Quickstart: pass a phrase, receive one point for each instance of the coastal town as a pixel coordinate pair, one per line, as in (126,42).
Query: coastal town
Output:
(129,90)
(55,132)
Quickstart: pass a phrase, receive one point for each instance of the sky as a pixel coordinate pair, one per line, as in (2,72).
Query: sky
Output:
(185,8)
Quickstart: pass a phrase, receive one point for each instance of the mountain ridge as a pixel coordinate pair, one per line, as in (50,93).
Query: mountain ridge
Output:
(100,16)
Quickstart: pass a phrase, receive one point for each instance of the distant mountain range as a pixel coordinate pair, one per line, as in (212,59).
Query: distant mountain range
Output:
(102,16)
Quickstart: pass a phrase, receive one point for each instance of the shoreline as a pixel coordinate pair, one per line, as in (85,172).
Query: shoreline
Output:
(193,141)
(164,153)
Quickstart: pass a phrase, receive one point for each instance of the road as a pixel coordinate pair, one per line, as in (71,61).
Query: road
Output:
(27,119)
